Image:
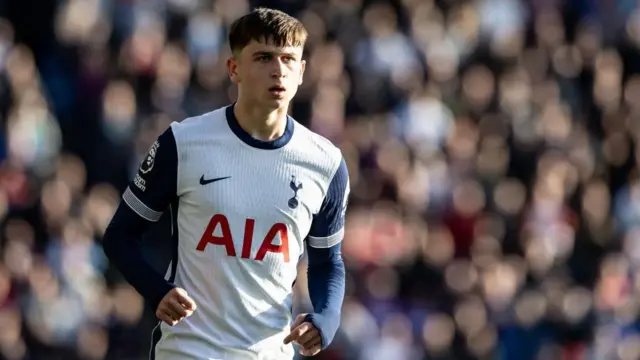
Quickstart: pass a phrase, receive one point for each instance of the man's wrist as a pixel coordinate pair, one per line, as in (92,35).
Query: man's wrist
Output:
(326,324)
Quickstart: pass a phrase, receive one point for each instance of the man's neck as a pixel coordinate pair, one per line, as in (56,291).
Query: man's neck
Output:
(260,123)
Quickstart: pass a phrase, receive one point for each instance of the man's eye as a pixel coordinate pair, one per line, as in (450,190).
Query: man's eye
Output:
(264,58)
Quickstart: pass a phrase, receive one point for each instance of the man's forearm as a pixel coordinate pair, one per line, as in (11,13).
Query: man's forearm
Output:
(121,245)
(326,276)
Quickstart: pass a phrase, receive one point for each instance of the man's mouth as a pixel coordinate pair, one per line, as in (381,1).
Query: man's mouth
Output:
(277,89)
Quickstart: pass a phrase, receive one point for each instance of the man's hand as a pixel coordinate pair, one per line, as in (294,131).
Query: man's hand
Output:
(306,335)
(175,306)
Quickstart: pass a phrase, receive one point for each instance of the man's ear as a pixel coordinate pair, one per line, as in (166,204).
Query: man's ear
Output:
(232,68)
(303,66)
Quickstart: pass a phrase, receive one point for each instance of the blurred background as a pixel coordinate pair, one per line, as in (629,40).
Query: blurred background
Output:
(492,145)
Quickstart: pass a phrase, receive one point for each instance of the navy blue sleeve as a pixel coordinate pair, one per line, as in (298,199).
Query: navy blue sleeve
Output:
(154,187)
(327,228)
(326,272)
(148,195)
(326,275)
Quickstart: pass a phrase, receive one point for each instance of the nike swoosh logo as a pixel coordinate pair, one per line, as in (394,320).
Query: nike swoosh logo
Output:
(204,181)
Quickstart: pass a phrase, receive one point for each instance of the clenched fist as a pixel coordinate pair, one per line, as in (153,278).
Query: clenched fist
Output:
(175,306)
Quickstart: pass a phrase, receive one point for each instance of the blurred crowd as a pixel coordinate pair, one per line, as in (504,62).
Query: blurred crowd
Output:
(492,146)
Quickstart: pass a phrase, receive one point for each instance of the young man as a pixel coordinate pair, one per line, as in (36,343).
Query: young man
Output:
(248,189)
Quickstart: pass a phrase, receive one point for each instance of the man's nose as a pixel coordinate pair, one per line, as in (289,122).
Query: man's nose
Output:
(278,69)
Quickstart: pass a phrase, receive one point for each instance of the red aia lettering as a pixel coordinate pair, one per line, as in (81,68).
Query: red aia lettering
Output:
(268,246)
(248,238)
(227,240)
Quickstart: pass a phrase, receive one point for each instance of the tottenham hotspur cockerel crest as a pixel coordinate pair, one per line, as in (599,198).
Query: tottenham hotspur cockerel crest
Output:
(293,202)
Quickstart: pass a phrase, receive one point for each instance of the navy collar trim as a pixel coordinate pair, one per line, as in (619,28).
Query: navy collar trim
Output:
(257,143)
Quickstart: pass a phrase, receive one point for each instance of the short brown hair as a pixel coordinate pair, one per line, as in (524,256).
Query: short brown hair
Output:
(269,26)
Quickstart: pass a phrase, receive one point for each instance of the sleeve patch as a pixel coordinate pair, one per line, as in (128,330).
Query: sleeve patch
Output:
(150,160)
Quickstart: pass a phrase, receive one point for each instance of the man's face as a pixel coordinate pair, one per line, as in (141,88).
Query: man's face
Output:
(266,74)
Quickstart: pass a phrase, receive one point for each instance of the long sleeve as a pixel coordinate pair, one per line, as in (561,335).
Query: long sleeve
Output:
(148,195)
(326,272)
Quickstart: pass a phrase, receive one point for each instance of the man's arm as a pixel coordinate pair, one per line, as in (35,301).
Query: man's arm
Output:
(326,272)
(145,199)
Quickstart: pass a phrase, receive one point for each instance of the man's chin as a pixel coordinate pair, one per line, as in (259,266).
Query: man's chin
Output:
(276,103)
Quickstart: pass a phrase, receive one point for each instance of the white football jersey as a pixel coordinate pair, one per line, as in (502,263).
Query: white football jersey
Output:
(242,210)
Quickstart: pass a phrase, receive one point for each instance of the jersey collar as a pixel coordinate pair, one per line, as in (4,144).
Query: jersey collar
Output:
(257,143)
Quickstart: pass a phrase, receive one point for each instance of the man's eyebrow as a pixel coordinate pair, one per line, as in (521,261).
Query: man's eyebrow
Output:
(272,53)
